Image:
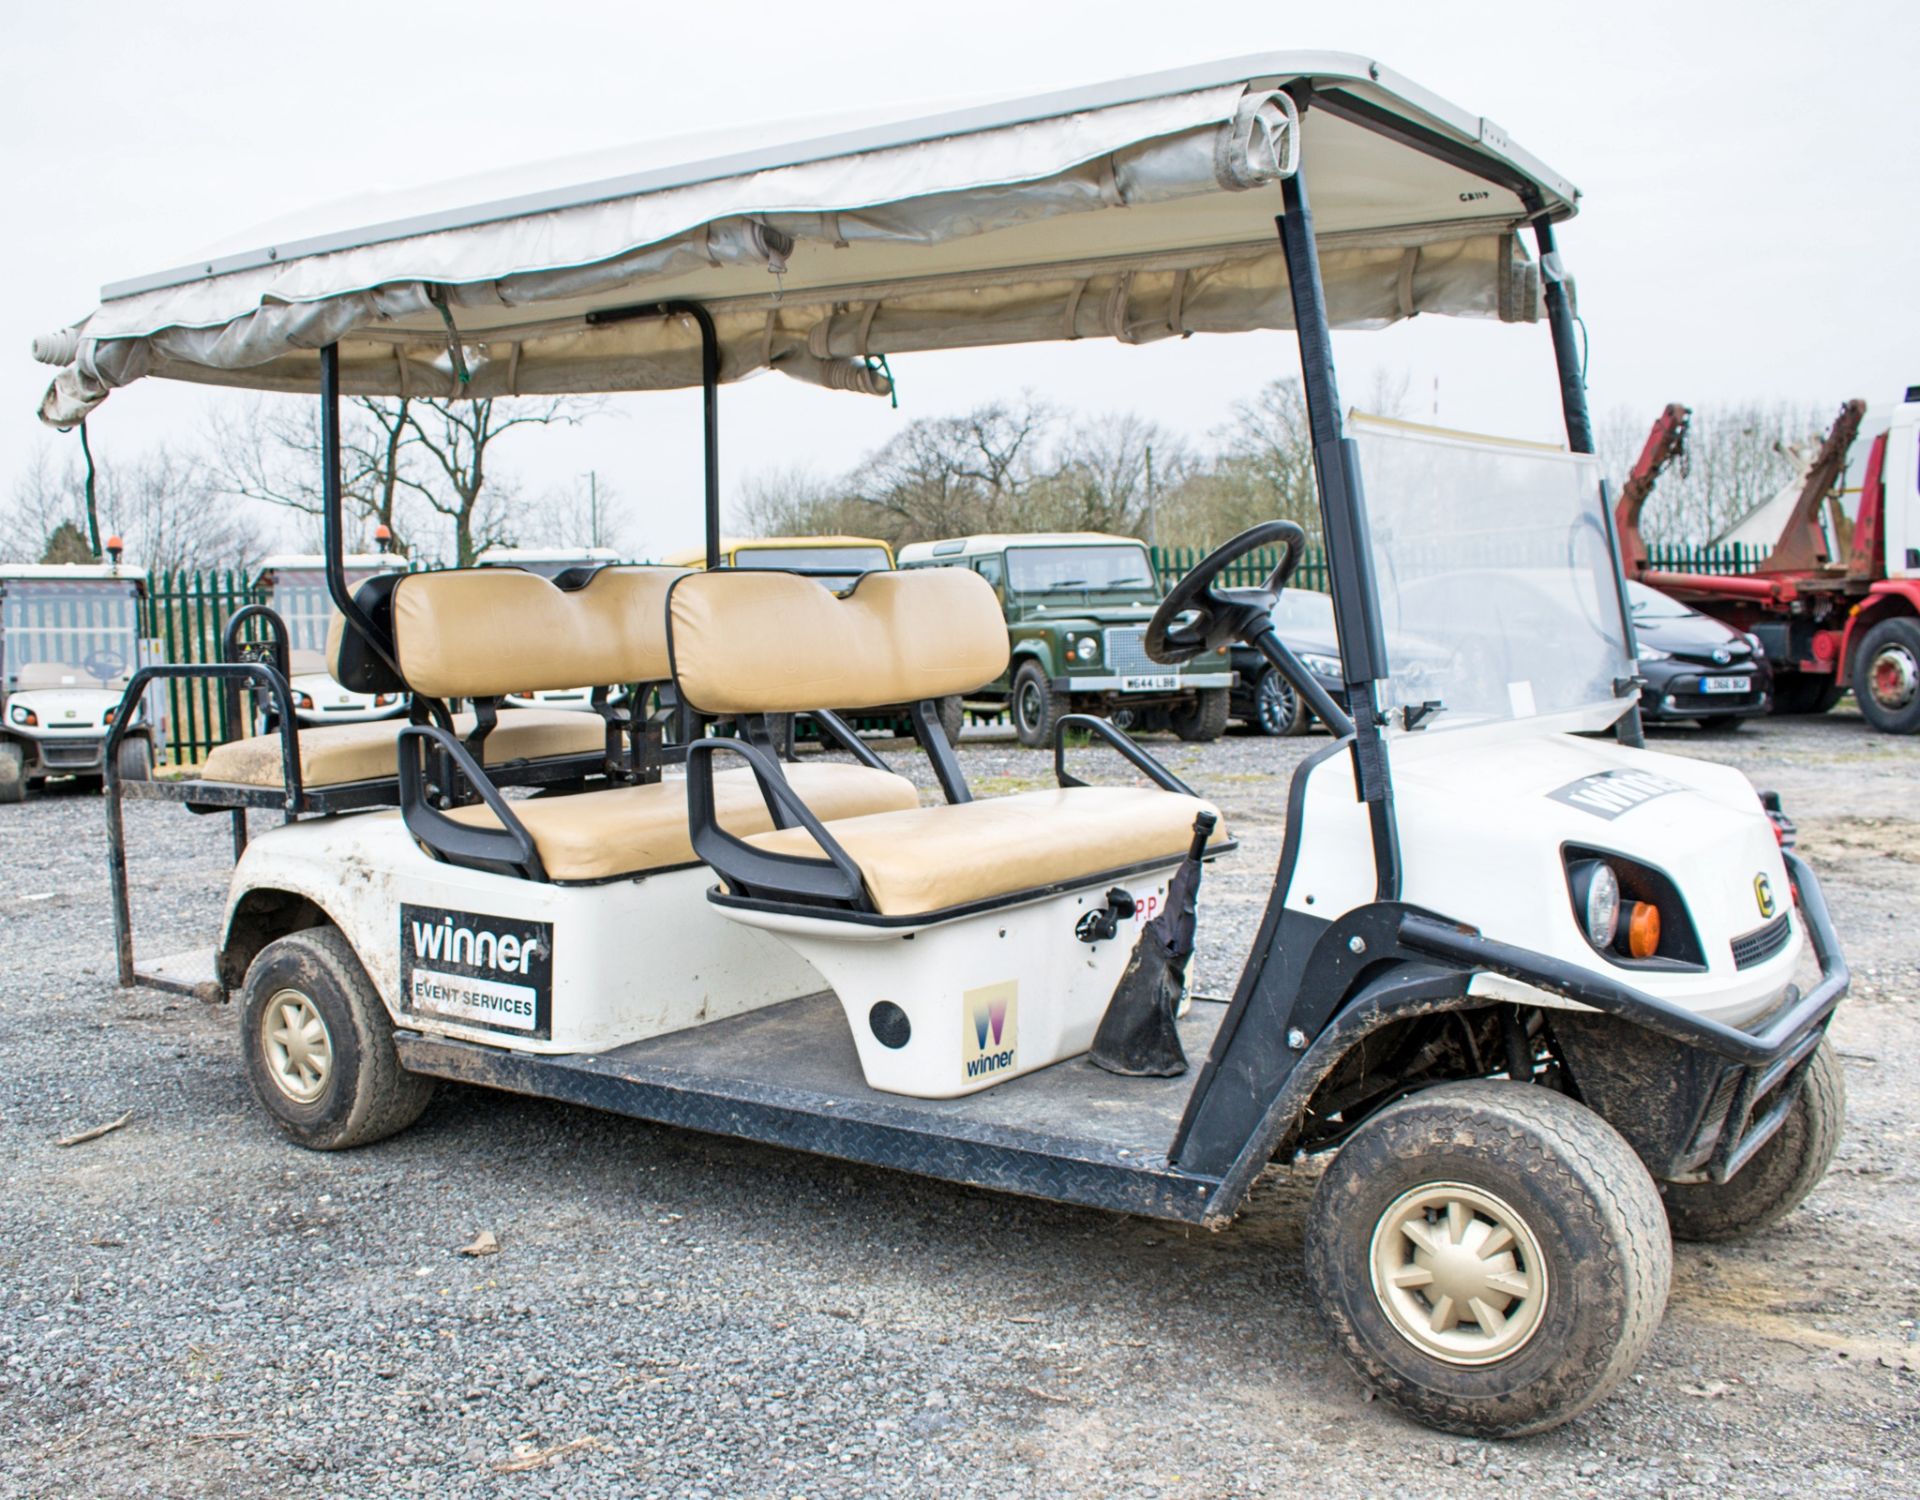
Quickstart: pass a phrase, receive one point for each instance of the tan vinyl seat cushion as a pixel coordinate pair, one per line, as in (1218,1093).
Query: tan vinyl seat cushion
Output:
(339,753)
(629,829)
(931,858)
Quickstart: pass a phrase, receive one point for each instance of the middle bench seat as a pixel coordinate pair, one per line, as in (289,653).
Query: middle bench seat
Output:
(633,829)
(336,754)
(485,632)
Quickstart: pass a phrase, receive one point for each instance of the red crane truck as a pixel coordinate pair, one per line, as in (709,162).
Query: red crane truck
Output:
(1836,603)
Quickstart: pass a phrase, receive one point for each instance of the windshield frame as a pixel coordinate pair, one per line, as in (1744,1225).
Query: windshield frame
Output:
(1148,588)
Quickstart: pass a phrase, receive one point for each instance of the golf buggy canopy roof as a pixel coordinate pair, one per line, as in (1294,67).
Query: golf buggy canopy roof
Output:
(1130,210)
(74,572)
(999,541)
(693,557)
(293,562)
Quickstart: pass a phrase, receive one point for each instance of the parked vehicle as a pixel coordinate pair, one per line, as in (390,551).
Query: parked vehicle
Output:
(555,562)
(1695,667)
(1262,699)
(1507,977)
(835,560)
(1836,603)
(69,644)
(1077,605)
(294,586)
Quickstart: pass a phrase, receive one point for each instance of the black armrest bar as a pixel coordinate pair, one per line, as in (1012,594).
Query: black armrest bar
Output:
(1755,1049)
(228,672)
(754,872)
(1118,738)
(508,848)
(927,729)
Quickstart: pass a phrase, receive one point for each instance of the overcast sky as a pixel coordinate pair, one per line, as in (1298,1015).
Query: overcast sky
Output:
(1750,221)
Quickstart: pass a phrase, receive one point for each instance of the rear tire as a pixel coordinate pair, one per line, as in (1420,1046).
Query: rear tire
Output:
(953,717)
(1036,707)
(134,761)
(1886,676)
(1805,692)
(1491,1256)
(1204,719)
(1277,709)
(13,772)
(318,1045)
(1782,1172)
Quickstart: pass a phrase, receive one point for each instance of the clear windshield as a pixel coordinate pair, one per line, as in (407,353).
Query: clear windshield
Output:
(1075,571)
(1651,604)
(300,597)
(826,563)
(1497,588)
(1304,615)
(60,634)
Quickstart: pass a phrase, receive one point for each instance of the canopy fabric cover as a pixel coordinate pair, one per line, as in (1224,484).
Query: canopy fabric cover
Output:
(1136,211)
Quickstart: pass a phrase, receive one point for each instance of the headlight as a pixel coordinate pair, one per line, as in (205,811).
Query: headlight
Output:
(21,714)
(1321,666)
(303,700)
(1086,648)
(1759,647)
(1596,900)
(381,700)
(1654,653)
(107,717)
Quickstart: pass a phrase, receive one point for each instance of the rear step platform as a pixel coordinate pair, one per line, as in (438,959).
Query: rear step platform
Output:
(191,973)
(788,1075)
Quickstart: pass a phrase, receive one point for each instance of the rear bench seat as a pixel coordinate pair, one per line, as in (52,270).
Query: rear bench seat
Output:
(484,632)
(335,754)
(769,643)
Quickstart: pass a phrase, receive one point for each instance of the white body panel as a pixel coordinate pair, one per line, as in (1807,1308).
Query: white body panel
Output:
(334,704)
(1900,476)
(1481,839)
(64,713)
(630,958)
(1049,988)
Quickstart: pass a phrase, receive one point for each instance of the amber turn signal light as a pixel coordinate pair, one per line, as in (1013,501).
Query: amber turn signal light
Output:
(1641,929)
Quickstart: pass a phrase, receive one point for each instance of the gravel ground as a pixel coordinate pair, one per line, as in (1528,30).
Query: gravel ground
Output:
(191,1306)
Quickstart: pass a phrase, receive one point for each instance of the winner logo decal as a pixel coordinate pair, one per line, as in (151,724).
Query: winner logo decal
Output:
(989,1019)
(479,970)
(1607,794)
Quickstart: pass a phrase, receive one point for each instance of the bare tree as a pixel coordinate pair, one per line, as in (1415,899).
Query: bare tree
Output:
(948,476)
(1111,472)
(794,501)
(456,438)
(271,452)
(586,513)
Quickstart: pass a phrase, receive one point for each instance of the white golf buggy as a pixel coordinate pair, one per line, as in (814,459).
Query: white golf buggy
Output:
(1518,983)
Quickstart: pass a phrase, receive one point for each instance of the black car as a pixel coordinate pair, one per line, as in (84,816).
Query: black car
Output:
(1694,666)
(1261,698)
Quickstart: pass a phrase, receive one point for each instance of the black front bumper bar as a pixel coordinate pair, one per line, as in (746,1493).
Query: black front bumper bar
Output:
(1762,1060)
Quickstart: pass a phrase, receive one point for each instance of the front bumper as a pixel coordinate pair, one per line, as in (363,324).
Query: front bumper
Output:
(1673,692)
(1695,1096)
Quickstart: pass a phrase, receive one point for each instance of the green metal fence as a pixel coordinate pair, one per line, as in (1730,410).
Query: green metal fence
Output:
(183,617)
(1170,564)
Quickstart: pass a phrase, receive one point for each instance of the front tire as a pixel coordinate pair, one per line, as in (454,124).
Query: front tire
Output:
(953,717)
(1204,719)
(1886,676)
(13,772)
(134,760)
(318,1045)
(1036,707)
(1491,1256)
(1782,1172)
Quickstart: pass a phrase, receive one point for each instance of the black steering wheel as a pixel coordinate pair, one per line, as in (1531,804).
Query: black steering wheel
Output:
(1223,615)
(105,665)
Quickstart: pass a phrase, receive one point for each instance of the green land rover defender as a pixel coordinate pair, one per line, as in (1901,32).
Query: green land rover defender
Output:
(1077,605)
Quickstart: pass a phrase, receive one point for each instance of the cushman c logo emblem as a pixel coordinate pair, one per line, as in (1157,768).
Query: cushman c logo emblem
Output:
(1763,894)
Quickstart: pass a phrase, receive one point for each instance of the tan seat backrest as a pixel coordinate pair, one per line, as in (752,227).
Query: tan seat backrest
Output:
(749,641)
(482,632)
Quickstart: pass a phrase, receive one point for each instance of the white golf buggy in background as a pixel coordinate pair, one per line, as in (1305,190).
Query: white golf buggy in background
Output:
(69,644)
(295,588)
(1510,977)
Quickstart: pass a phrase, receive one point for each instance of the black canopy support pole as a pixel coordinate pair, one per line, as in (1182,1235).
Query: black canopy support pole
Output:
(709,392)
(333,527)
(1573,403)
(1343,520)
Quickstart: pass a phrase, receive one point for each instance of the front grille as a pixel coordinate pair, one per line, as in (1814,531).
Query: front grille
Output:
(1762,943)
(86,753)
(1127,654)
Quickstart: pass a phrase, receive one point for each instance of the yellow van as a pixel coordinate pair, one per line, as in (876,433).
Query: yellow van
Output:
(835,560)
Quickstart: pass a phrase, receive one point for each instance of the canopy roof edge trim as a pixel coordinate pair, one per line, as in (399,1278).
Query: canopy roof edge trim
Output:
(1132,210)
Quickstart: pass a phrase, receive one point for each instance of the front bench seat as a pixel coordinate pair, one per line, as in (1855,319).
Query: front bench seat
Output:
(631,830)
(336,754)
(929,859)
